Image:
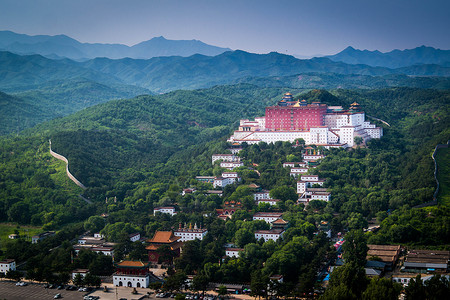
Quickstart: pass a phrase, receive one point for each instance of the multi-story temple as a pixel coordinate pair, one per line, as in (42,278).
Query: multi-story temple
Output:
(316,123)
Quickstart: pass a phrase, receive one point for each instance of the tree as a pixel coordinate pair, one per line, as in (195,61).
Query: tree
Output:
(415,289)
(352,276)
(284,193)
(437,287)
(355,248)
(200,283)
(358,140)
(78,280)
(382,288)
(175,282)
(243,237)
(14,275)
(222,291)
(94,224)
(259,284)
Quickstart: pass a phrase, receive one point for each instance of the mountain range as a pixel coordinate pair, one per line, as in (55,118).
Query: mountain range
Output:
(395,58)
(62,46)
(164,74)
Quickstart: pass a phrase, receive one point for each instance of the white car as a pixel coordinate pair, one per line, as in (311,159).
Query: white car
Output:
(57,296)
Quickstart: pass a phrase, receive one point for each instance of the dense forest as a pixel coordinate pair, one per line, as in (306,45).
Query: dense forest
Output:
(144,151)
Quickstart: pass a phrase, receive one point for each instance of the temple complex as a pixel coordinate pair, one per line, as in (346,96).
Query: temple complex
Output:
(315,123)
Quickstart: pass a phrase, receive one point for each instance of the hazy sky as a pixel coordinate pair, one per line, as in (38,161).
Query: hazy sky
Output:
(304,27)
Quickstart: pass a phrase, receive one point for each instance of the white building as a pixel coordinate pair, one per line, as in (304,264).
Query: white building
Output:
(268,217)
(104,249)
(294,164)
(82,272)
(189,233)
(165,210)
(134,237)
(231,165)
(226,179)
(314,194)
(264,194)
(308,181)
(7,265)
(233,252)
(225,157)
(272,234)
(269,201)
(132,274)
(298,171)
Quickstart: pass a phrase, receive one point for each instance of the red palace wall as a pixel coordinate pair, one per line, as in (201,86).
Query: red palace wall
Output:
(295,118)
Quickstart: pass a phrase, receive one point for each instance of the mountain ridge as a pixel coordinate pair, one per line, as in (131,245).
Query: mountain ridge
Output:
(395,58)
(65,46)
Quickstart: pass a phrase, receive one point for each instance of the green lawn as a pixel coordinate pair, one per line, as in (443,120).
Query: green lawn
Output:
(443,175)
(24,230)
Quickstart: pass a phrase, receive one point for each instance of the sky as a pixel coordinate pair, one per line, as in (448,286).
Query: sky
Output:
(300,27)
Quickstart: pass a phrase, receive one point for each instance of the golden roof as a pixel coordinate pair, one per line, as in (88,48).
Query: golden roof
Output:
(164,237)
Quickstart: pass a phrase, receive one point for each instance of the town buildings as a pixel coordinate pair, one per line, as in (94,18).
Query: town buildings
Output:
(233,252)
(315,123)
(268,217)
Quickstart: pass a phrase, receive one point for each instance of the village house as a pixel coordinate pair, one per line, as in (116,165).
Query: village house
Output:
(41,236)
(268,217)
(82,272)
(427,260)
(225,158)
(294,164)
(187,191)
(165,210)
(263,194)
(231,165)
(272,234)
(134,237)
(7,265)
(206,179)
(233,252)
(388,254)
(269,201)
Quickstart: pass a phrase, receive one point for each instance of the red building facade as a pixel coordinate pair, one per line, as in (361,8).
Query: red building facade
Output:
(299,116)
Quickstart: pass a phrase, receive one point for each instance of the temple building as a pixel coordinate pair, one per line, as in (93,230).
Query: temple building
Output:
(161,239)
(132,274)
(315,123)
(190,233)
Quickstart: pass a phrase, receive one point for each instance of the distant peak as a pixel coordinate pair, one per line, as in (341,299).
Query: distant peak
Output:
(349,48)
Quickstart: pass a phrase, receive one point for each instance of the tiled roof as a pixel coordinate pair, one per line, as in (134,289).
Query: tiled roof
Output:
(131,263)
(164,237)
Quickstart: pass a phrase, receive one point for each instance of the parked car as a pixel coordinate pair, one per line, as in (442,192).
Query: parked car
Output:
(80,289)
(60,287)
(57,296)
(18,283)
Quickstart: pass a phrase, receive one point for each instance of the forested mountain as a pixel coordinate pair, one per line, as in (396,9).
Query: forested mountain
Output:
(115,147)
(60,46)
(395,58)
(351,81)
(163,74)
(55,99)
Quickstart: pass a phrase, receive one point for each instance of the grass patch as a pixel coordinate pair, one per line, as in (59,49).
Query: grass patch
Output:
(443,175)
(25,232)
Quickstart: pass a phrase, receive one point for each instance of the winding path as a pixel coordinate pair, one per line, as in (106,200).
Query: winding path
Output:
(384,122)
(60,157)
